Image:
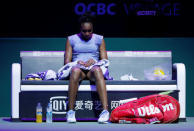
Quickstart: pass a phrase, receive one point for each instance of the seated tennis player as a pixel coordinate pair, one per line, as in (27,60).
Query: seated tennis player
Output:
(86,48)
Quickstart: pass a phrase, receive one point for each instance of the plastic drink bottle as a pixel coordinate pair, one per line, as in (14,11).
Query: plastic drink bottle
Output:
(49,117)
(38,113)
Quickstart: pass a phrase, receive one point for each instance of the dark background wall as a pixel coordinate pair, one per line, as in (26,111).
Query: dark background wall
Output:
(114,18)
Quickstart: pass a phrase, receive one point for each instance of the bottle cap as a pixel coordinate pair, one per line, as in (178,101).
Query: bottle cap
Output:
(39,104)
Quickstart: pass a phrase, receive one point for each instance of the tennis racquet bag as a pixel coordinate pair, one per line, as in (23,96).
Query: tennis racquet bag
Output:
(148,110)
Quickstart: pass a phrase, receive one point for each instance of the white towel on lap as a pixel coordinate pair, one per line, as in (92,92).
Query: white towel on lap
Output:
(64,72)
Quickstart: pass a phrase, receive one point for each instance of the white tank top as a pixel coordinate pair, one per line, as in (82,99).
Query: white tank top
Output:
(85,50)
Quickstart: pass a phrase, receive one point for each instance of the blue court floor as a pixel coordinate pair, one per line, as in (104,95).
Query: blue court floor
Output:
(6,125)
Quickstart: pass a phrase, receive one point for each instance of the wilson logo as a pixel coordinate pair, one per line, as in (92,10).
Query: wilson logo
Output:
(151,109)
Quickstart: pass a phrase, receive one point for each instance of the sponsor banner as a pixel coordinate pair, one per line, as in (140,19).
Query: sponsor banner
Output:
(87,104)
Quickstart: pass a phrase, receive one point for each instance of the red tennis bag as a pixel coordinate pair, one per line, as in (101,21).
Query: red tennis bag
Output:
(149,109)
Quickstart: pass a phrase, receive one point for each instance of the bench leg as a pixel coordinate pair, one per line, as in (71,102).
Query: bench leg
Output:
(15,89)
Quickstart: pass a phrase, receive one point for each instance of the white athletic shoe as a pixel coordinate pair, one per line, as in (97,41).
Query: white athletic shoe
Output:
(71,116)
(104,117)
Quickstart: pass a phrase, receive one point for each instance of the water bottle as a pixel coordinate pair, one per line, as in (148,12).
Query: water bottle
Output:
(49,117)
(38,113)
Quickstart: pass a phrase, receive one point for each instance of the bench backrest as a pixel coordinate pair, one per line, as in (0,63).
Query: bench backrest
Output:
(137,63)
